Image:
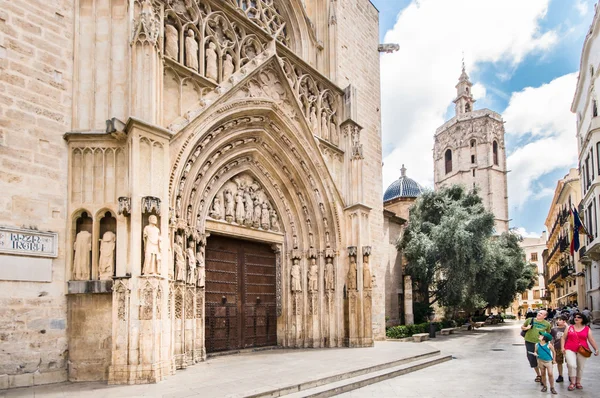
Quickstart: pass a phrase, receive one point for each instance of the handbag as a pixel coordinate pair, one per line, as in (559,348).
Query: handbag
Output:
(524,332)
(581,349)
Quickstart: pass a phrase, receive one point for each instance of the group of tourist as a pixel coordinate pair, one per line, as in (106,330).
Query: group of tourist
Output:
(568,340)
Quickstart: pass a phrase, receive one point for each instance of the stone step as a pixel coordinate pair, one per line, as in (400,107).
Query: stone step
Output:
(315,383)
(346,385)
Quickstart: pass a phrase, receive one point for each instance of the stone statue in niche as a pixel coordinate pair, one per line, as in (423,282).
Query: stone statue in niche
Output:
(333,132)
(324,126)
(151,235)
(227,66)
(264,216)
(200,266)
(274,221)
(295,274)
(229,205)
(211,61)
(171,42)
(215,211)
(352,274)
(178,207)
(313,276)
(179,259)
(329,274)
(367,280)
(81,258)
(239,207)
(191,266)
(107,255)
(249,206)
(313,120)
(257,212)
(191,50)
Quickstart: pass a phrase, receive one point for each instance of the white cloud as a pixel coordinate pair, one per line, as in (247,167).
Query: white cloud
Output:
(526,234)
(418,81)
(541,115)
(581,7)
(478,91)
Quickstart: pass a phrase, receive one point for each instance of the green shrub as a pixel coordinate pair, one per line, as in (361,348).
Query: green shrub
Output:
(508,316)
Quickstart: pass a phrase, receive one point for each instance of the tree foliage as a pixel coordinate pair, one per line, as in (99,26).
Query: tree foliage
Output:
(453,256)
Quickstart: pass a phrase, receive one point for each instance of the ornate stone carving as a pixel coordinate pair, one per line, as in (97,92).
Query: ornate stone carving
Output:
(189,304)
(146,25)
(295,274)
(147,303)
(81,257)
(159,303)
(191,50)
(313,276)
(191,266)
(211,62)
(352,252)
(106,261)
(151,235)
(278,290)
(122,301)
(178,303)
(150,204)
(124,206)
(179,258)
(265,14)
(367,281)
(245,203)
(329,274)
(171,42)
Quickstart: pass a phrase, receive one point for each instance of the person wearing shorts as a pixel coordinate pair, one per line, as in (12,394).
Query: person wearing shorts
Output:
(557,333)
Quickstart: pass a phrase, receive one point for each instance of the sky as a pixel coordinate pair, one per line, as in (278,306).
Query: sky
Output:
(523,60)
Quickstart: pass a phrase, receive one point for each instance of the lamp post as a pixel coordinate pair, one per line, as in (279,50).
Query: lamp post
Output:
(432,327)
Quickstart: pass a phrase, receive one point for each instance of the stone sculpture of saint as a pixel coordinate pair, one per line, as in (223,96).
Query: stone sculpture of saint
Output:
(274,221)
(313,119)
(191,266)
(352,274)
(229,205)
(249,207)
(329,275)
(227,66)
(211,61)
(200,267)
(313,276)
(264,216)
(239,207)
(215,211)
(81,258)
(295,274)
(324,126)
(191,50)
(367,281)
(107,255)
(179,259)
(257,213)
(171,42)
(151,247)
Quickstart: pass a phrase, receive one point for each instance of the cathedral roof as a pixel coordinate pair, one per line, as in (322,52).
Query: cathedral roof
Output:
(403,187)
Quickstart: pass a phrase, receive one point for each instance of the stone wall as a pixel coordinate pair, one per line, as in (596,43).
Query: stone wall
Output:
(358,60)
(90,336)
(35,108)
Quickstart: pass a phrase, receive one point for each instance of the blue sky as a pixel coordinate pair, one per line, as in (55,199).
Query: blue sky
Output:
(523,58)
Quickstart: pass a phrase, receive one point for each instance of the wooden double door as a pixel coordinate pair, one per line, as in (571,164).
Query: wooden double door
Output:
(240,294)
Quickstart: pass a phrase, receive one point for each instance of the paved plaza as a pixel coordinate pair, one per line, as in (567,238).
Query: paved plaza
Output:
(487,362)
(490,362)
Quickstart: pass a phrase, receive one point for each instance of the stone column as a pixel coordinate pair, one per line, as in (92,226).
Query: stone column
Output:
(296,278)
(409,317)
(353,302)
(367,323)
(329,327)
(313,337)
(200,348)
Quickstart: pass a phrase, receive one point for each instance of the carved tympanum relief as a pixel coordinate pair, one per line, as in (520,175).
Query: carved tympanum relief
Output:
(243,201)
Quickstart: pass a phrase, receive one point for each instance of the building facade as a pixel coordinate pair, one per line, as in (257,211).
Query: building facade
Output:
(469,150)
(397,200)
(533,298)
(184,177)
(563,270)
(585,106)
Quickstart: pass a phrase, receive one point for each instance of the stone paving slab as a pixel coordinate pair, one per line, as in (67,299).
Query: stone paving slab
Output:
(240,375)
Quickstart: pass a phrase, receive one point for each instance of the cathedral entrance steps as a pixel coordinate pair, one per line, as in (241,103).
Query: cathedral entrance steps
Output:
(352,380)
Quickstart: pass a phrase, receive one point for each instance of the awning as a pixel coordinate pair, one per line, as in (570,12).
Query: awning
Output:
(567,295)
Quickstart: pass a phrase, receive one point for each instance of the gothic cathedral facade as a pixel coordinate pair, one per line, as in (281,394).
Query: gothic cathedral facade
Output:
(469,150)
(207,177)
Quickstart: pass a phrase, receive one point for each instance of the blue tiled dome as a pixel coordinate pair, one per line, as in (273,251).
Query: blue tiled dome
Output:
(403,187)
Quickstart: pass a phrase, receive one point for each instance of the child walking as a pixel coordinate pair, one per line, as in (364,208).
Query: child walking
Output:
(557,333)
(546,358)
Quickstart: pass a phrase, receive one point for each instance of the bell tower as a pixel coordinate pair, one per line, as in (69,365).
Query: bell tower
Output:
(464,97)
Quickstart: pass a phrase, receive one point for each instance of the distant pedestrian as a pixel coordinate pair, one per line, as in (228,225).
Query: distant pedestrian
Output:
(586,311)
(546,358)
(557,333)
(519,314)
(533,327)
(576,346)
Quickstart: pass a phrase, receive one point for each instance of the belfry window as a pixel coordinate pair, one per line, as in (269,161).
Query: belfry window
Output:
(448,158)
(472,159)
(467,107)
(495,152)
(594,108)
(473,143)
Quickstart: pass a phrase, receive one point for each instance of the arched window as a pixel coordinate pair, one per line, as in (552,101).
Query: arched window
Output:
(495,152)
(594,108)
(473,142)
(468,108)
(448,158)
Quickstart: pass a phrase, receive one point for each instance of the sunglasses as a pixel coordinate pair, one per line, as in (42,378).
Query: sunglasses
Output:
(578,317)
